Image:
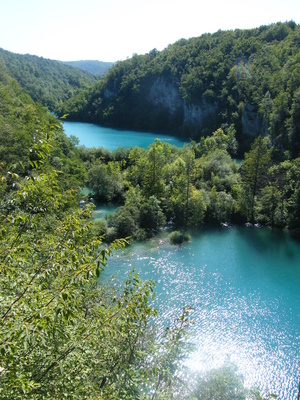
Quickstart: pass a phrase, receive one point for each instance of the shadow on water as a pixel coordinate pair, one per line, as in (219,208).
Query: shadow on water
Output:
(265,240)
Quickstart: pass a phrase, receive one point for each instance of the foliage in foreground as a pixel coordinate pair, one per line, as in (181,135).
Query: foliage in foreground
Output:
(63,332)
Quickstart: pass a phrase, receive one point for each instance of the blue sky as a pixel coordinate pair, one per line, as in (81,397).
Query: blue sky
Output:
(111,30)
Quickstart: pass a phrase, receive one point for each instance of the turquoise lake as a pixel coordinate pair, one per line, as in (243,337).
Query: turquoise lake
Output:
(92,135)
(243,284)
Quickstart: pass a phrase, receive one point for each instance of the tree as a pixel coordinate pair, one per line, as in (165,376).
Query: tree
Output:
(151,216)
(124,222)
(256,165)
(269,206)
(189,159)
(221,205)
(219,170)
(186,201)
(105,180)
(294,130)
(153,183)
(197,209)
(137,166)
(293,192)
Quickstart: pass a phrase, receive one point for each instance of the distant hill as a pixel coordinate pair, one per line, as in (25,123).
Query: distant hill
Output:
(46,81)
(98,68)
(247,79)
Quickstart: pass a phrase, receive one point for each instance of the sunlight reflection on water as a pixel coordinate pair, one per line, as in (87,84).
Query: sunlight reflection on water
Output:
(245,301)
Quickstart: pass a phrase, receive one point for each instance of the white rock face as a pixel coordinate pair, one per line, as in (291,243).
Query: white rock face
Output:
(165,94)
(194,114)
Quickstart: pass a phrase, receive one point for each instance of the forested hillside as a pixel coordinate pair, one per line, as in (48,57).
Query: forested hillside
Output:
(46,81)
(249,78)
(98,68)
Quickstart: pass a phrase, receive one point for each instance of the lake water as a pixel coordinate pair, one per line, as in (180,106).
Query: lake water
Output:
(101,210)
(244,286)
(92,135)
(242,282)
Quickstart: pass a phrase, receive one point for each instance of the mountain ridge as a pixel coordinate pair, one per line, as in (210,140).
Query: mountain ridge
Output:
(46,81)
(95,67)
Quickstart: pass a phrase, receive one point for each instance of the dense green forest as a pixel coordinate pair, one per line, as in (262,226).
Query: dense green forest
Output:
(98,68)
(249,78)
(195,185)
(64,333)
(46,81)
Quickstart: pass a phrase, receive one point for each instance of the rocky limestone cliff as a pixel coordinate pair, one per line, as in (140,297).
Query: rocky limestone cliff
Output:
(161,107)
(195,114)
(165,94)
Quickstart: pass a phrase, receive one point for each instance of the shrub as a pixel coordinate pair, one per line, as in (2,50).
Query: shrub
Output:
(178,237)
(140,235)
